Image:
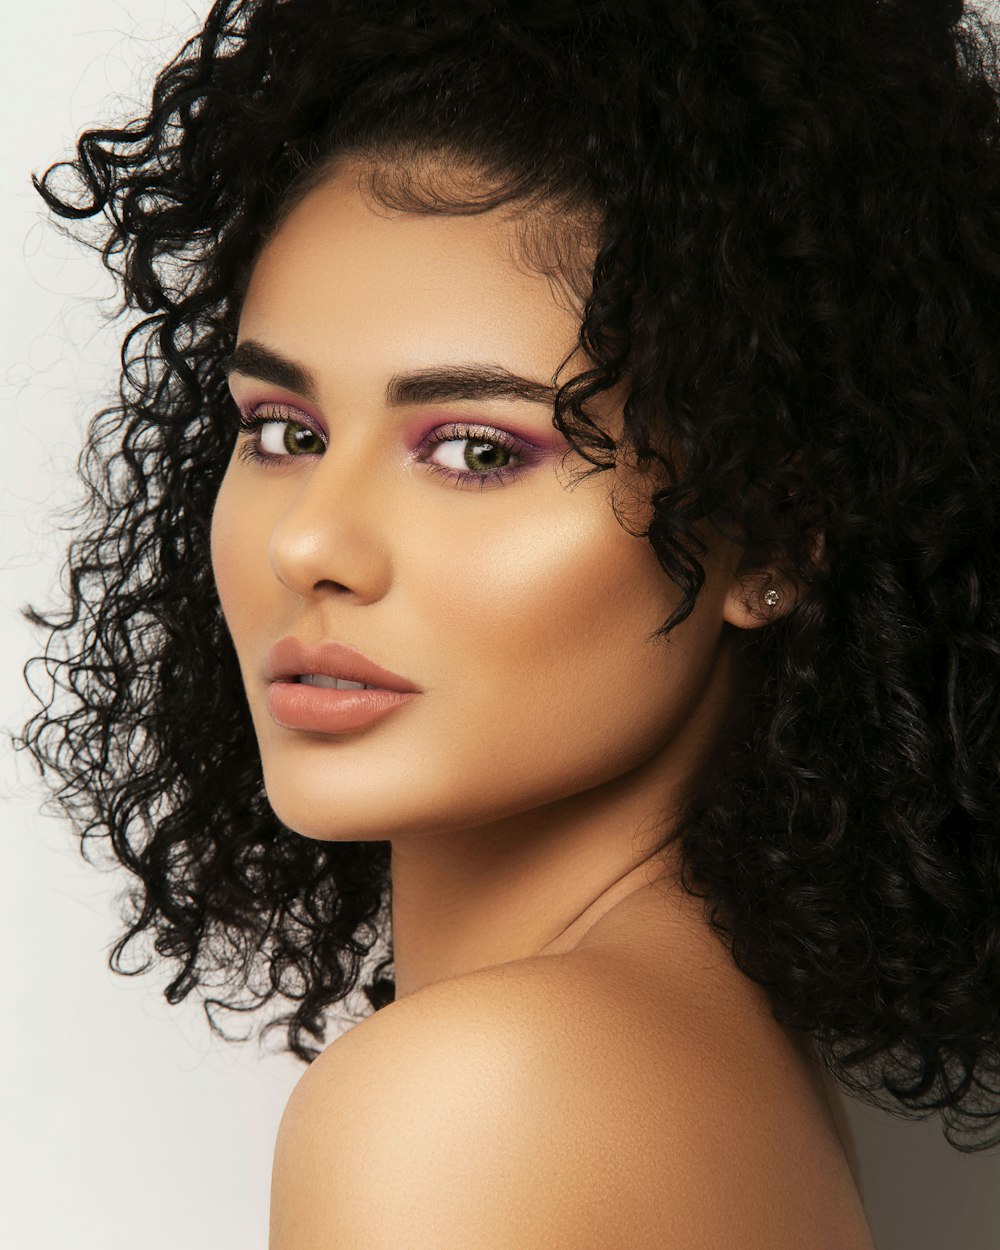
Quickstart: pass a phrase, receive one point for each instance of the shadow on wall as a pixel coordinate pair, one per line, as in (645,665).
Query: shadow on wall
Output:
(919,1192)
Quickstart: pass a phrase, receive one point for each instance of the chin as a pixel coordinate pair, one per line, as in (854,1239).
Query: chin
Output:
(326,815)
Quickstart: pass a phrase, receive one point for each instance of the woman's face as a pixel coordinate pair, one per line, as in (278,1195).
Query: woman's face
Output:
(471,565)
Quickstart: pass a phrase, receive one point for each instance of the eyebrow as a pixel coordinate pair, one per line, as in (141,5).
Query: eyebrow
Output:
(424,386)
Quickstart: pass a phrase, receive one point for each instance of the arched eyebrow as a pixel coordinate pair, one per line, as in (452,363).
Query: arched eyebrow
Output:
(423,386)
(257,361)
(430,386)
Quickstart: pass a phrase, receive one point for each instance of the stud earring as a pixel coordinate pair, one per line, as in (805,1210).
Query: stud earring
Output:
(772,597)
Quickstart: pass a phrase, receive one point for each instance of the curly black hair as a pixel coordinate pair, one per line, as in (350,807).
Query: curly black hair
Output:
(798,278)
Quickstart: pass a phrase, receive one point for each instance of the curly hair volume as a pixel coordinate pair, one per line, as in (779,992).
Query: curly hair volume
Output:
(798,274)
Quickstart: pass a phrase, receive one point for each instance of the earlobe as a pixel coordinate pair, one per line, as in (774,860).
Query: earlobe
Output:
(766,594)
(758,599)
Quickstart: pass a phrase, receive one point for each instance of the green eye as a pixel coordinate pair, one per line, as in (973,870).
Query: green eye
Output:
(482,455)
(476,456)
(296,439)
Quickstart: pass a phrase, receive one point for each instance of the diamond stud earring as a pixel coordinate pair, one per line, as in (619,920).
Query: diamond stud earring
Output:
(772,597)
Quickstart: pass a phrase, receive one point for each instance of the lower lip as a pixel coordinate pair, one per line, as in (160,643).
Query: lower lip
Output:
(321,709)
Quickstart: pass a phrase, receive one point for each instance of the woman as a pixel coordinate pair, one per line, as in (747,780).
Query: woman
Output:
(613,389)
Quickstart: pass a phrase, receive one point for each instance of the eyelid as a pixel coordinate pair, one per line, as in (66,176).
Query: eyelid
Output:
(531,440)
(459,430)
(285,410)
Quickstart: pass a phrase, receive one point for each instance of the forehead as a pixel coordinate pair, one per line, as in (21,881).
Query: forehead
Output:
(345,271)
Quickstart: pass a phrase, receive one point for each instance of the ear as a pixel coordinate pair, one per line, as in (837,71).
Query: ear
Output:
(766,594)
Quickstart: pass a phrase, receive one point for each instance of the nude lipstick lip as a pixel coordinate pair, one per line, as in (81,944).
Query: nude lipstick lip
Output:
(321,709)
(289,658)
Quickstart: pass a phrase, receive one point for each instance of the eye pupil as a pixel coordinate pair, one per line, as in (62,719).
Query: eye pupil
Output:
(474,455)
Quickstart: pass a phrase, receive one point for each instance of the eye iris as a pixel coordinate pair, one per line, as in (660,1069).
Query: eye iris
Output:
(297,439)
(473,453)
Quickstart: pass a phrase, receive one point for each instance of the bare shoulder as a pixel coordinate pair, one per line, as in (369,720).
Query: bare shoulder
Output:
(541,1103)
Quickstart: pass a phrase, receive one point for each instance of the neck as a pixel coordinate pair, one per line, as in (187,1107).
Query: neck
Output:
(531,884)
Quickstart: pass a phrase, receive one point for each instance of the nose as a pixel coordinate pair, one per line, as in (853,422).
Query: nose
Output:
(333,535)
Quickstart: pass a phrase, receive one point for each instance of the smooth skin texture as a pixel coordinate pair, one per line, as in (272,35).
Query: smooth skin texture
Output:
(563,1104)
(523,790)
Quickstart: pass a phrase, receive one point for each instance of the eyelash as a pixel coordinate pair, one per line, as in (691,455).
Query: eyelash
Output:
(251,421)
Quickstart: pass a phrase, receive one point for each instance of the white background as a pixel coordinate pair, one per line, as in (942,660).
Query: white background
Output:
(125,1123)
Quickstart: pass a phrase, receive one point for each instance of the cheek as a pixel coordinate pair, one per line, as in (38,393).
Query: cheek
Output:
(541,588)
(239,556)
(547,627)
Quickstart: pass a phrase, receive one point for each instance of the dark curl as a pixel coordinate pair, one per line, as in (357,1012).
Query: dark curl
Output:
(798,276)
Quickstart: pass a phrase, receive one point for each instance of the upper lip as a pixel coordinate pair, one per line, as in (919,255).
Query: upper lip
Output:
(291,658)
